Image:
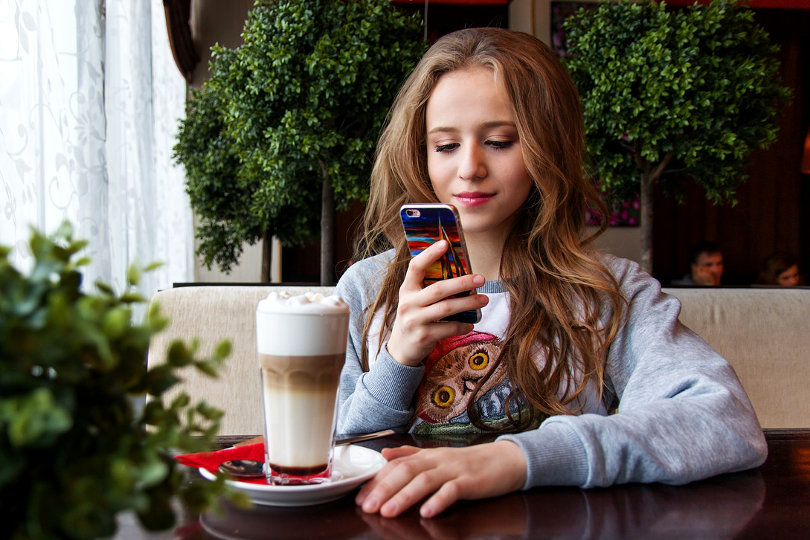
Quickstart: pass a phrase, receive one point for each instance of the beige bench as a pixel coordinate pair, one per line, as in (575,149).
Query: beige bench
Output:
(761,332)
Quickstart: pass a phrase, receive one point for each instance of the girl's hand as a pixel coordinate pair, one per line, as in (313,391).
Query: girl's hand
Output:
(418,325)
(445,474)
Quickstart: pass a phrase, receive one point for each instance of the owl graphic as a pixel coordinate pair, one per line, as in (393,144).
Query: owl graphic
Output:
(454,369)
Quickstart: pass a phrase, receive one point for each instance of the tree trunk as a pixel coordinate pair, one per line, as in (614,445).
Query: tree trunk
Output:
(649,176)
(327,228)
(646,222)
(267,256)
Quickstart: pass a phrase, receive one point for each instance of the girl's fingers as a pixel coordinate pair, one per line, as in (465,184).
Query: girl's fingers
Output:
(419,264)
(413,490)
(400,484)
(390,454)
(441,500)
(443,475)
(418,324)
(437,311)
(393,453)
(447,288)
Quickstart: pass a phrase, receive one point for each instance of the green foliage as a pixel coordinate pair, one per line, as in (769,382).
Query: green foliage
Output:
(699,84)
(73,451)
(303,98)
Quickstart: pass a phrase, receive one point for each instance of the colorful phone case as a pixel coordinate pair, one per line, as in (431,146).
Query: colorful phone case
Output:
(426,224)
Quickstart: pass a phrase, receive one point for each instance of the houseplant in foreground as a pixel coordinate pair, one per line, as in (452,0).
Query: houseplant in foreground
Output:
(74,450)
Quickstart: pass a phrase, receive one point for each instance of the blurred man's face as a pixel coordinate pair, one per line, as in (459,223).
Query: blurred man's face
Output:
(708,269)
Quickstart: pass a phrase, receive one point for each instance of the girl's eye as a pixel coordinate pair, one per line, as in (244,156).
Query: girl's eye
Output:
(446,147)
(500,144)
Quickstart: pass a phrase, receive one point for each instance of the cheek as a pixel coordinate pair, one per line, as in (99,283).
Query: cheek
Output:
(521,184)
(515,174)
(437,172)
(440,175)
(788,280)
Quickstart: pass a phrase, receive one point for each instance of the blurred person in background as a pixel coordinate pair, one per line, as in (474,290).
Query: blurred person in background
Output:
(780,269)
(706,266)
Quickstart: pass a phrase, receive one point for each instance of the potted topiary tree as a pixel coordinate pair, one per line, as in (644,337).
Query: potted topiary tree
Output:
(282,134)
(673,94)
(74,449)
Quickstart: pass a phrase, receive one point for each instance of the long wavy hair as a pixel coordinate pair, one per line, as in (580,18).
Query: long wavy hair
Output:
(558,288)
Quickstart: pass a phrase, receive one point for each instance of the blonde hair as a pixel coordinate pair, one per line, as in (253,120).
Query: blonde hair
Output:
(557,287)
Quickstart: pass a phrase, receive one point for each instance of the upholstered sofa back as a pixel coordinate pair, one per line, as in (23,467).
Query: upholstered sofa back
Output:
(761,332)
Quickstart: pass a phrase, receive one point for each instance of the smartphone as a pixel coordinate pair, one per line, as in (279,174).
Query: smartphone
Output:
(428,223)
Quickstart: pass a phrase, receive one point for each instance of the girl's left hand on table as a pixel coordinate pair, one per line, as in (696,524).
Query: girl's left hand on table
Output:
(446,475)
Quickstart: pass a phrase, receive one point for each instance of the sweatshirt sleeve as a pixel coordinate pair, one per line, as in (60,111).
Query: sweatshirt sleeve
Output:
(382,397)
(682,413)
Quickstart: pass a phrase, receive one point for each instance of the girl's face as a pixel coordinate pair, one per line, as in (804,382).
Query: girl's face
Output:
(474,157)
(790,277)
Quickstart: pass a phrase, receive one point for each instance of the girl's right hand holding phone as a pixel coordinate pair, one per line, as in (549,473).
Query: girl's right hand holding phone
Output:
(418,325)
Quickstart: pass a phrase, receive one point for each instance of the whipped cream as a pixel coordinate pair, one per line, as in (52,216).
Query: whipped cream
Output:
(302,303)
(301,325)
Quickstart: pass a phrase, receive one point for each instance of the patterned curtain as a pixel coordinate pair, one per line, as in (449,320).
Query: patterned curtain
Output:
(90,100)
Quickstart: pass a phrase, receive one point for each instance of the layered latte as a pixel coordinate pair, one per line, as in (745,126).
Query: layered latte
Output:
(302,347)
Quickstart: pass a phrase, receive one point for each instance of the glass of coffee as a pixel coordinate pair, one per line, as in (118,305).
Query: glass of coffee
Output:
(301,343)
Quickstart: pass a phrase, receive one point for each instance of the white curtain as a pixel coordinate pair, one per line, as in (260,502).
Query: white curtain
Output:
(89,106)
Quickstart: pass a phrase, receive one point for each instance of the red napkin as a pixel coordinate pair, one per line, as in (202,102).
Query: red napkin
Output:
(211,460)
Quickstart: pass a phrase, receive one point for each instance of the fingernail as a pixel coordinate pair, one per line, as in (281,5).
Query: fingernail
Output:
(478,279)
(359,499)
(370,505)
(389,510)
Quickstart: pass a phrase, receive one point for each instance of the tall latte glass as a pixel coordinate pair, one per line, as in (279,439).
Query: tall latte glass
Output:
(302,346)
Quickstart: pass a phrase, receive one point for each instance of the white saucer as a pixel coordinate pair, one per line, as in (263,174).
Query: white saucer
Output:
(353,465)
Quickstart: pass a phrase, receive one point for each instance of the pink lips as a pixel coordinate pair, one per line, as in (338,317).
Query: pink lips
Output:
(473,198)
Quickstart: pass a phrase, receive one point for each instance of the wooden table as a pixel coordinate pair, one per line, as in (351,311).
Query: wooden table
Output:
(770,502)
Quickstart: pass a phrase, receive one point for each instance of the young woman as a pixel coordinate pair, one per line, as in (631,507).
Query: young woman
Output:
(579,360)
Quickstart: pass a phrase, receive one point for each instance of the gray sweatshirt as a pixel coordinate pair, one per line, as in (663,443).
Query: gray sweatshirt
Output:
(681,415)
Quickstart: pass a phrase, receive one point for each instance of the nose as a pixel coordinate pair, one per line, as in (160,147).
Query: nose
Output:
(472,166)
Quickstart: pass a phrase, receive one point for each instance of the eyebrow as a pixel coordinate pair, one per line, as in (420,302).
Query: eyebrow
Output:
(485,125)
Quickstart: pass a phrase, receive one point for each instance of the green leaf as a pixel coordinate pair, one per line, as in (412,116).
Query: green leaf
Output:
(116,322)
(34,419)
(179,354)
(133,275)
(152,472)
(223,349)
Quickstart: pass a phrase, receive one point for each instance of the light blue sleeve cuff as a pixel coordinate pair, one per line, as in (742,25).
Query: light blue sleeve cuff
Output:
(554,455)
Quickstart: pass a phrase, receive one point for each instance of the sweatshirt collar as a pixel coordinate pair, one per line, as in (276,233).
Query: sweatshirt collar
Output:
(491,287)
